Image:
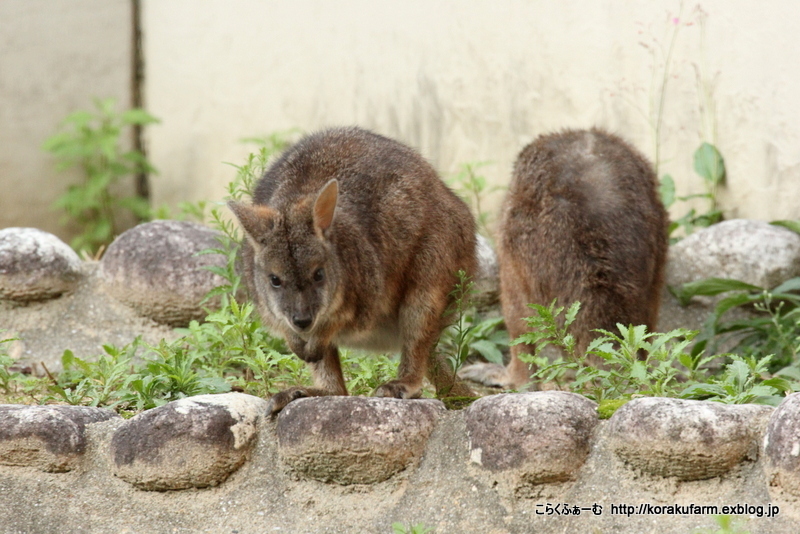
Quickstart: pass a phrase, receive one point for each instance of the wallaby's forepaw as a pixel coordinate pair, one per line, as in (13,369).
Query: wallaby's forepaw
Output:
(279,401)
(398,390)
(488,374)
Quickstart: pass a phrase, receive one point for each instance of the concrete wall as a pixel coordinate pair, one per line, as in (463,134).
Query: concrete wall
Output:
(55,57)
(462,85)
(479,83)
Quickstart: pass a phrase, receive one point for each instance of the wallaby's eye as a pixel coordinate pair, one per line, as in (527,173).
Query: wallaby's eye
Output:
(274,281)
(319,275)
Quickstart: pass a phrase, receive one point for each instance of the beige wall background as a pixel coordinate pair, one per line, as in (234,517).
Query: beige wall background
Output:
(462,82)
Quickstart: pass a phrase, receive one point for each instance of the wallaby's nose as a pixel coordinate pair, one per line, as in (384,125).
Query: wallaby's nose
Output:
(301,322)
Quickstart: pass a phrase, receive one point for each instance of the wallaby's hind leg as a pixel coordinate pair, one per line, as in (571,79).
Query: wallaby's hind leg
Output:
(516,374)
(328,380)
(512,376)
(421,324)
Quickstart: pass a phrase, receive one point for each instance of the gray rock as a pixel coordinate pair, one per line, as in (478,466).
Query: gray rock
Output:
(752,251)
(782,446)
(155,269)
(354,440)
(755,252)
(49,438)
(35,265)
(487,279)
(194,442)
(686,439)
(543,436)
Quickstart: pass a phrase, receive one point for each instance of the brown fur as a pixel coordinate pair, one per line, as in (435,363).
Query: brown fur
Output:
(389,238)
(582,221)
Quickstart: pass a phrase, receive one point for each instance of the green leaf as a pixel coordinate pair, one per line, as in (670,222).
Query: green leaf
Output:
(701,391)
(79,119)
(667,190)
(138,116)
(739,299)
(710,287)
(780,384)
(794,226)
(639,371)
(488,350)
(709,164)
(793,284)
(572,312)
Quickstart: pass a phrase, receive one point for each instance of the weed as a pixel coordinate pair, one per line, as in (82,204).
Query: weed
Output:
(365,372)
(774,329)
(709,164)
(727,525)
(468,335)
(419,528)
(7,376)
(471,187)
(114,381)
(92,141)
(741,383)
(642,363)
(794,226)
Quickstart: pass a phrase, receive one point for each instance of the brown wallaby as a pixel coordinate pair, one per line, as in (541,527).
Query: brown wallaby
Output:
(353,240)
(582,221)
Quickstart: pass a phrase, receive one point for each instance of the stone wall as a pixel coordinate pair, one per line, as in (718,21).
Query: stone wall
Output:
(526,462)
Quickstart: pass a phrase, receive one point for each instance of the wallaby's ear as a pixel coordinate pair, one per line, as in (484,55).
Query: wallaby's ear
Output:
(256,220)
(325,206)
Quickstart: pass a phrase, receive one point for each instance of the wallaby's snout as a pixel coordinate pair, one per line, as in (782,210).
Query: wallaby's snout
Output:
(302,322)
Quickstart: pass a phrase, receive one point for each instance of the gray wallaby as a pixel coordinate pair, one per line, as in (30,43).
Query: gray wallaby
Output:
(582,221)
(353,240)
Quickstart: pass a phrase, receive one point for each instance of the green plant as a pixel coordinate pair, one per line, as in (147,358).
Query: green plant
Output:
(546,328)
(468,335)
(727,525)
(94,383)
(115,381)
(794,226)
(471,187)
(741,383)
(640,363)
(419,528)
(364,372)
(709,164)
(773,329)
(7,376)
(636,362)
(93,142)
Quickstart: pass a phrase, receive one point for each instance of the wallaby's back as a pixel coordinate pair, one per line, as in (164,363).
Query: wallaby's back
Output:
(582,221)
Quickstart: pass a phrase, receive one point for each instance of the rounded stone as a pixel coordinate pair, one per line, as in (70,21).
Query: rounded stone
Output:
(686,439)
(36,265)
(544,436)
(49,438)
(155,268)
(194,442)
(782,446)
(755,252)
(355,440)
